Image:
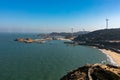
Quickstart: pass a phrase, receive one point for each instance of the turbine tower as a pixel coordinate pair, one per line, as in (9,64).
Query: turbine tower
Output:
(107,23)
(72,31)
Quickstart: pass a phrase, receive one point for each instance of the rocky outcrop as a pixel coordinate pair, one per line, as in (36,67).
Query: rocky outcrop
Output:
(94,72)
(27,40)
(19,39)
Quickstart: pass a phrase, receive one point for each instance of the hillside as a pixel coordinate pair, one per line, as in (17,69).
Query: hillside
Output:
(105,34)
(106,38)
(94,72)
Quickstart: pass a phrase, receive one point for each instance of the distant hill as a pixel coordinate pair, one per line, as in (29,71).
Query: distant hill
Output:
(68,34)
(98,35)
(65,34)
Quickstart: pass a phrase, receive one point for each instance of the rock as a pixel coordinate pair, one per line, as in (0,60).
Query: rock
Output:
(27,40)
(19,39)
(94,72)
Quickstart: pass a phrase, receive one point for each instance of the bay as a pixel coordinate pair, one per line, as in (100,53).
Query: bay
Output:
(49,61)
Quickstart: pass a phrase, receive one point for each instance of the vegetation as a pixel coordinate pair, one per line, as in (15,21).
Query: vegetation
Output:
(100,35)
(106,38)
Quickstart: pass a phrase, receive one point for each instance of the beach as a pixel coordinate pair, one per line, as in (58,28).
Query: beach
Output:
(113,56)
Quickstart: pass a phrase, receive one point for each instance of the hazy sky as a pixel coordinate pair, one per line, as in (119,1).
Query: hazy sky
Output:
(57,15)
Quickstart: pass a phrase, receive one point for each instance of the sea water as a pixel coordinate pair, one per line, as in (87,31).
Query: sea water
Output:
(48,61)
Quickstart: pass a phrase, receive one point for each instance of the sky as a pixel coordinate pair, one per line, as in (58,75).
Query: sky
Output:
(58,15)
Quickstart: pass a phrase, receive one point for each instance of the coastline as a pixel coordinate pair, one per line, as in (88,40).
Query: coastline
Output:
(113,56)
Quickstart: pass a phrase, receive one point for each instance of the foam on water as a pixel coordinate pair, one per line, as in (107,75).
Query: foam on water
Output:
(109,59)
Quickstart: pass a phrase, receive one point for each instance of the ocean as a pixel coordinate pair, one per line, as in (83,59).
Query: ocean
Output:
(48,61)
